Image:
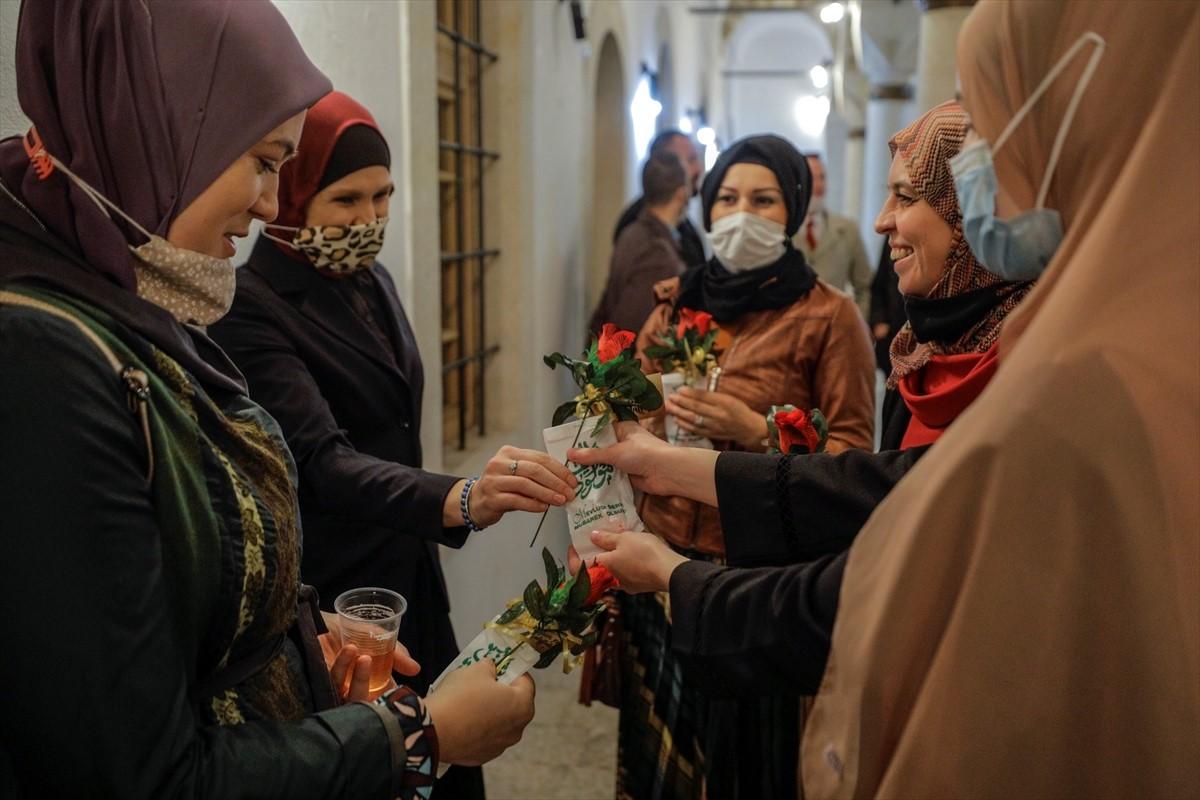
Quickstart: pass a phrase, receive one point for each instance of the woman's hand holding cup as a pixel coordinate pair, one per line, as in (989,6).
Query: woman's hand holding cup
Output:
(350,671)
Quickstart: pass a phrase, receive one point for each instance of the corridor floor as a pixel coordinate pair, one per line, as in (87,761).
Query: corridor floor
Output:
(568,752)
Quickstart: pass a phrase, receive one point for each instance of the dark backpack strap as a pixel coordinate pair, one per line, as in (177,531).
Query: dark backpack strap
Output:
(304,633)
(309,626)
(239,671)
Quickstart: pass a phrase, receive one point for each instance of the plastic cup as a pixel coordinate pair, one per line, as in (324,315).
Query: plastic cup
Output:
(370,620)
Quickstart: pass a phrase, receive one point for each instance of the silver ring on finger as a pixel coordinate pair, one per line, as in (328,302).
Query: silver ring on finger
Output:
(512,468)
(699,420)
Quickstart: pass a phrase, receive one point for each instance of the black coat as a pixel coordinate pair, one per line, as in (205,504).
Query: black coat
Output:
(789,524)
(887,307)
(351,413)
(89,566)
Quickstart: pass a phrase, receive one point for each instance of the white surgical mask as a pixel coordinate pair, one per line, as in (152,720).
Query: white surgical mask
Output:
(195,288)
(746,241)
(336,249)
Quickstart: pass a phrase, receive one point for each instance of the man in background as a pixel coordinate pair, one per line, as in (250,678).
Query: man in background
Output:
(681,145)
(647,250)
(832,245)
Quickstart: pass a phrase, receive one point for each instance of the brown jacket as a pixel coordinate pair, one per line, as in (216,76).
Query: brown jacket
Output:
(814,353)
(645,254)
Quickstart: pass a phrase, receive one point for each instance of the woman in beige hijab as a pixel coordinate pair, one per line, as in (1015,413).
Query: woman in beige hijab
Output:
(1021,616)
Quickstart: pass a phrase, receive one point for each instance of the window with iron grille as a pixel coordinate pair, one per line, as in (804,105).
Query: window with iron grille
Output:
(463,158)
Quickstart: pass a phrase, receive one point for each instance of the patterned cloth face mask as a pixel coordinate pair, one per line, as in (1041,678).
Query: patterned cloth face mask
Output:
(1016,249)
(336,250)
(195,288)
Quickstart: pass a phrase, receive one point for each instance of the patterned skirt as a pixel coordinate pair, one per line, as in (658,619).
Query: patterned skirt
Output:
(680,741)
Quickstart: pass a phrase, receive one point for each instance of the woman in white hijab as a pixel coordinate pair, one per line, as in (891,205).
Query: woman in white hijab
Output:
(1053,646)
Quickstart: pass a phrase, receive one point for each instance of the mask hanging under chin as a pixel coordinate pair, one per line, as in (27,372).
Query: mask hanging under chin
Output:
(1020,248)
(195,288)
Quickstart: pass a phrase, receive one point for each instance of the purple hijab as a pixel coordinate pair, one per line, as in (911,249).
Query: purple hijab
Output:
(149,101)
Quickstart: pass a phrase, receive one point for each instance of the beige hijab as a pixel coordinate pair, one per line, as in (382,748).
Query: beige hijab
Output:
(1021,616)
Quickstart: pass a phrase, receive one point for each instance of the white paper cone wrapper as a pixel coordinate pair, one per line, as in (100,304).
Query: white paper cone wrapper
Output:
(671,382)
(494,644)
(604,497)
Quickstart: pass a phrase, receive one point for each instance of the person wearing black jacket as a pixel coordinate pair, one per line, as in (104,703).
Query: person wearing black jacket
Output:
(160,641)
(680,145)
(886,315)
(319,332)
(790,520)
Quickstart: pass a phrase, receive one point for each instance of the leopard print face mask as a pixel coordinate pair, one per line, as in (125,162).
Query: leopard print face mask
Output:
(337,250)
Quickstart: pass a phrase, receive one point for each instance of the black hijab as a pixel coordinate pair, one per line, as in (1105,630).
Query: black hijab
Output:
(728,295)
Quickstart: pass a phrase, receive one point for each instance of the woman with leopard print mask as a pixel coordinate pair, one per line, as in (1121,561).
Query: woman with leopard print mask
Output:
(319,332)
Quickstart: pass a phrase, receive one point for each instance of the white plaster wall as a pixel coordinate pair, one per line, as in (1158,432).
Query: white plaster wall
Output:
(539,107)
(12,121)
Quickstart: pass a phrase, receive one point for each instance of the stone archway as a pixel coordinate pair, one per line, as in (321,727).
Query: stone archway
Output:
(610,149)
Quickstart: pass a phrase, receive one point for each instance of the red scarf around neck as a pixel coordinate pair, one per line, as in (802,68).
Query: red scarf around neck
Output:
(941,390)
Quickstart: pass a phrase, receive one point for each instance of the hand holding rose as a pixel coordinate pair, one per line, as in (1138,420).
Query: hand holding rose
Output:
(641,561)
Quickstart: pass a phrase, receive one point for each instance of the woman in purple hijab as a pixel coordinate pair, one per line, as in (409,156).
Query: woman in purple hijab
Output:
(161,640)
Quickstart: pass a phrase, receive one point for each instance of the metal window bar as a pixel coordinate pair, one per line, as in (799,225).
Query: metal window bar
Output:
(476,151)
(460,257)
(459,39)
(449,258)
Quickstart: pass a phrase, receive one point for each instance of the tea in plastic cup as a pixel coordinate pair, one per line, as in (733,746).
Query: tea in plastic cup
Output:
(370,620)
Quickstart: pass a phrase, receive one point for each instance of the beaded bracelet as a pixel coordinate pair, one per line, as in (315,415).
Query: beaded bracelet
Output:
(464,506)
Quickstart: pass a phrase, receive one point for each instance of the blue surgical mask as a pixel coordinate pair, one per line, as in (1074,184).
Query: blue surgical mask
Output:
(1016,249)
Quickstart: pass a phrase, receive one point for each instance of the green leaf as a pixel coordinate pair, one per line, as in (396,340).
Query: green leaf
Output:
(581,589)
(581,371)
(574,620)
(605,418)
(625,413)
(555,359)
(551,567)
(535,600)
(588,641)
(596,610)
(822,426)
(510,614)
(659,351)
(547,659)
(564,412)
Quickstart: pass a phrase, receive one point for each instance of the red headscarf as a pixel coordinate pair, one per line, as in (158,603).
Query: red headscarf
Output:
(300,178)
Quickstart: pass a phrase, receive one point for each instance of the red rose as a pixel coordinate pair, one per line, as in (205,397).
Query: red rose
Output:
(796,430)
(602,580)
(699,321)
(613,342)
